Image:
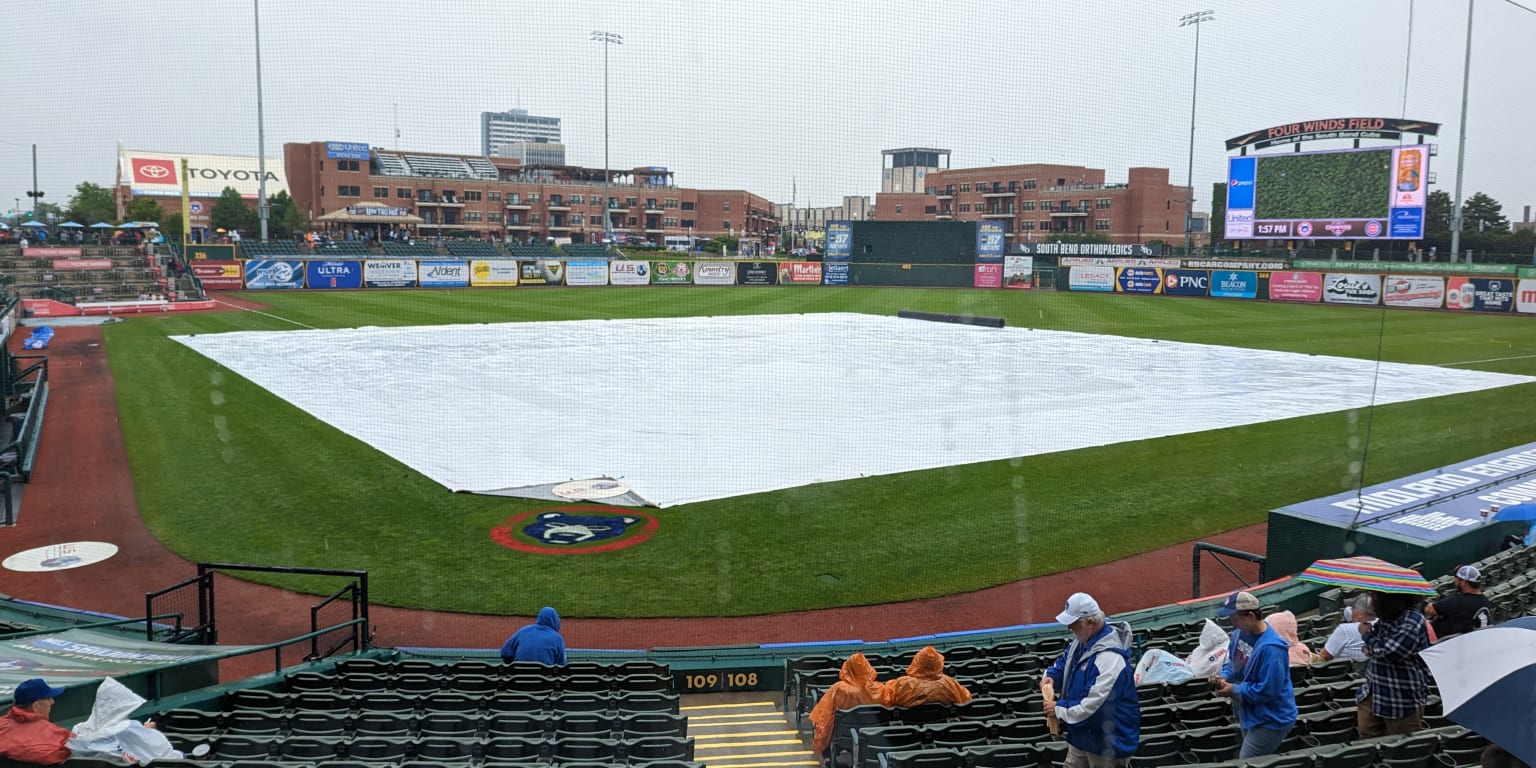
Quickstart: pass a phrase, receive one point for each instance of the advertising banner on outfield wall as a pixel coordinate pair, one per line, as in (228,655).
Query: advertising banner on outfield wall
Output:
(1413,291)
(1295,286)
(714,273)
(1351,289)
(1525,296)
(672,273)
(1234,285)
(757,273)
(586,272)
(1092,279)
(1018,272)
(990,242)
(988,276)
(1480,294)
(274,274)
(1186,282)
(800,273)
(839,241)
(326,275)
(622,272)
(389,273)
(542,272)
(443,274)
(1428,268)
(1138,279)
(835,274)
(218,275)
(1258,265)
(490,273)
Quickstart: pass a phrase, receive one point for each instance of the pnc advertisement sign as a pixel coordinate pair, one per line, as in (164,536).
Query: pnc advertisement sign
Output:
(1186,282)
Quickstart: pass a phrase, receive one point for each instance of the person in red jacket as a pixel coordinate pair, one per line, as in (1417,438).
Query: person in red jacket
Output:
(26,736)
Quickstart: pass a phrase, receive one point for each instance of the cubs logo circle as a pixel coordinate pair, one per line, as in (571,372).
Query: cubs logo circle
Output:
(1372,228)
(575,530)
(1304,229)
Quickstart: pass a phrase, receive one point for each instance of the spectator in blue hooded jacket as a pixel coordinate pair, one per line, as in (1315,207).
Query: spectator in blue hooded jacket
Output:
(1096,686)
(1257,677)
(539,642)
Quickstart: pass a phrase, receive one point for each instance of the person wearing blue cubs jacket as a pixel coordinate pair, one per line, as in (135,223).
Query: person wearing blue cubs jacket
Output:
(1257,677)
(1097,688)
(538,642)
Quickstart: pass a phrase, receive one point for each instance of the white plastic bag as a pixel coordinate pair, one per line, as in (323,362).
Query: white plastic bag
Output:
(109,735)
(1207,659)
(1159,666)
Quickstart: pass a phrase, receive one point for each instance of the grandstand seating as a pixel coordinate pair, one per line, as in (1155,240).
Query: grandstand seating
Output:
(252,249)
(132,274)
(587,251)
(344,248)
(479,249)
(396,248)
(535,251)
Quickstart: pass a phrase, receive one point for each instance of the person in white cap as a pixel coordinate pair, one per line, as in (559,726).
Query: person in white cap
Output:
(1464,611)
(1097,688)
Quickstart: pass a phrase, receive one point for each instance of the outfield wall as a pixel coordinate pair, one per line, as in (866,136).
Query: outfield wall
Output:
(1483,288)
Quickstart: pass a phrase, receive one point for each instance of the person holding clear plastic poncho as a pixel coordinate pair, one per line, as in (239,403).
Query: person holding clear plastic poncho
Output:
(109,735)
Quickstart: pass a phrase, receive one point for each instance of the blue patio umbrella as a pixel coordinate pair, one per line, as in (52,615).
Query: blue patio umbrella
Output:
(128,225)
(71,225)
(1519,513)
(1487,682)
(34,224)
(102,225)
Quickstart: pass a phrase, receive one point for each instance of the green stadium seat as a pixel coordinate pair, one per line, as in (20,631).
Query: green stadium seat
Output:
(364,667)
(1213,745)
(575,749)
(517,725)
(512,750)
(377,750)
(543,685)
(846,721)
(1346,756)
(1005,650)
(241,748)
(418,667)
(922,714)
(473,685)
(639,683)
(650,749)
(358,683)
(317,724)
(581,702)
(1416,751)
(869,743)
(307,750)
(1012,685)
(1197,690)
(257,699)
(1160,750)
(447,724)
(1002,756)
(1204,714)
(386,703)
(1021,665)
(569,724)
(447,702)
(642,667)
(253,723)
(471,667)
(442,750)
(585,683)
(923,758)
(981,708)
(648,701)
(310,682)
(188,721)
(1021,729)
(386,725)
(515,702)
(638,724)
(321,702)
(959,734)
(413,684)
(1051,754)
(973,668)
(1333,727)
(1296,760)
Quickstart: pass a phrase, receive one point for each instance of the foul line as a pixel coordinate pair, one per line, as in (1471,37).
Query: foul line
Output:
(265,314)
(1491,360)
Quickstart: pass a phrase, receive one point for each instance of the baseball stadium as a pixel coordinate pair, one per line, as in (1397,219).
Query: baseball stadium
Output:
(284,489)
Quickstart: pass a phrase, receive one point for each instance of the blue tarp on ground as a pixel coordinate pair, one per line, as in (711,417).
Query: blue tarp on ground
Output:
(39,338)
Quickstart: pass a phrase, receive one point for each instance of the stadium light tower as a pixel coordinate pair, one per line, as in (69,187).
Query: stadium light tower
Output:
(1461,139)
(1195,20)
(607,39)
(261,134)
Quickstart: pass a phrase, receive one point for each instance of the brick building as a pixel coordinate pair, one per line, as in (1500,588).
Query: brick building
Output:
(1039,200)
(499,198)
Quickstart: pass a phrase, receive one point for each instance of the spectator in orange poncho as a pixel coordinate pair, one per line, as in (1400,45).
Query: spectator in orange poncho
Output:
(856,685)
(924,683)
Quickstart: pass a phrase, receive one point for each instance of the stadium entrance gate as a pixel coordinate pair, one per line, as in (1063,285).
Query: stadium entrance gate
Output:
(338,622)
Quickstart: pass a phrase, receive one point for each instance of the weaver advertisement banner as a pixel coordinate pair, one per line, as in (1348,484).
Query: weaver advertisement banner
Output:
(389,273)
(989,243)
(52,253)
(757,273)
(800,272)
(1351,289)
(1296,286)
(334,274)
(1138,280)
(988,276)
(629,273)
(672,273)
(443,274)
(543,272)
(82,263)
(1235,285)
(836,274)
(1525,297)
(1413,291)
(1186,282)
(1092,279)
(714,273)
(492,273)
(587,272)
(1019,272)
(271,275)
(218,275)
(1480,294)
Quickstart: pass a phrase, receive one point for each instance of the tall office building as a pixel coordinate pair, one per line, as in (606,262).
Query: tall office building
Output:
(513,126)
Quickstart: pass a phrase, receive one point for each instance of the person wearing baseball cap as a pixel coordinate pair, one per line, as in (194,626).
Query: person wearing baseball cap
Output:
(26,735)
(1097,687)
(1257,677)
(1464,611)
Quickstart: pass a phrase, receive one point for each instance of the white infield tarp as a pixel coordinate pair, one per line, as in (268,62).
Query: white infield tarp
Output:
(690,409)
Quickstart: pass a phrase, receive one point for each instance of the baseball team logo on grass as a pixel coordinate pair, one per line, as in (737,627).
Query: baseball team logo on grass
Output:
(575,530)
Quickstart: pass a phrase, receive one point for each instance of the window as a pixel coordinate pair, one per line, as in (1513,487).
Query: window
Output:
(725,206)
(931,191)
(403,193)
(320,165)
(687,205)
(556,201)
(349,191)
(629,202)
(514,218)
(1101,225)
(578,220)
(1027,226)
(380,192)
(514,198)
(494,197)
(965,207)
(688,223)
(471,215)
(1045,224)
(965,187)
(472,195)
(577,200)
(1082,205)
(670,202)
(1061,182)
(1101,204)
(533,197)
(1013,186)
(1047,205)
(424,195)
(493,217)
(1029,183)
(1029,205)
(669,222)
(898,209)
(342,165)
(633,221)
(534,218)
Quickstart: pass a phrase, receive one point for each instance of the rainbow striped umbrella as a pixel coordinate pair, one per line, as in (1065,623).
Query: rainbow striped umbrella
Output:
(1367,573)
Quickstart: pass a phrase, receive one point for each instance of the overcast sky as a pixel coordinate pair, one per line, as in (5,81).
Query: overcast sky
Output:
(760,95)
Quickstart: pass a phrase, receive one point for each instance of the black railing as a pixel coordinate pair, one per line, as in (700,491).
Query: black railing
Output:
(196,596)
(1217,551)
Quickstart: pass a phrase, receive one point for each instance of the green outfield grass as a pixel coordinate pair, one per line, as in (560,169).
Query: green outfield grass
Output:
(225,471)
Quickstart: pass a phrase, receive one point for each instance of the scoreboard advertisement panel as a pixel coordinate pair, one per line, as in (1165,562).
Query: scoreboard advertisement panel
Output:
(1349,194)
